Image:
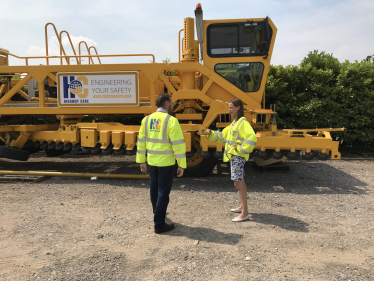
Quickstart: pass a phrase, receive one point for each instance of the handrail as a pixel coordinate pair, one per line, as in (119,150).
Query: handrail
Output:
(71,44)
(88,51)
(46,43)
(179,44)
(80,56)
(98,54)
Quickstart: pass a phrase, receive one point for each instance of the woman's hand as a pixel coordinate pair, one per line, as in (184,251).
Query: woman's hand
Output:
(235,144)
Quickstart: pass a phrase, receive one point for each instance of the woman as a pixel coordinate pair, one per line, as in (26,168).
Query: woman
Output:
(240,141)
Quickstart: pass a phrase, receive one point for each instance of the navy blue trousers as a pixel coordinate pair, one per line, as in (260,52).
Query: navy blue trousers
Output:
(161,182)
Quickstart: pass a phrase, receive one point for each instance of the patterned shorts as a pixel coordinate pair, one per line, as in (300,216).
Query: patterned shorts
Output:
(237,168)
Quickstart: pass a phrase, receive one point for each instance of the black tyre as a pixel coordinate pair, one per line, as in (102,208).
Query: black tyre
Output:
(120,151)
(322,156)
(292,155)
(13,153)
(108,150)
(307,155)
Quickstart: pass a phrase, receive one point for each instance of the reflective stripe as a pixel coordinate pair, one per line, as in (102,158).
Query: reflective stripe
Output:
(177,142)
(249,142)
(141,151)
(231,142)
(182,155)
(141,140)
(146,126)
(242,150)
(221,136)
(215,134)
(238,136)
(165,129)
(158,140)
(226,151)
(160,152)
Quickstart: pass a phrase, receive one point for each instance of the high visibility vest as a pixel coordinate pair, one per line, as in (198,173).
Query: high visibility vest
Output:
(242,133)
(161,141)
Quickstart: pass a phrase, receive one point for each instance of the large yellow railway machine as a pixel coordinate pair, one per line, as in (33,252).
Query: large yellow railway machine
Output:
(230,59)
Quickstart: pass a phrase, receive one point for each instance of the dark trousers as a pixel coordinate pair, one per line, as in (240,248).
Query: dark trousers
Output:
(161,182)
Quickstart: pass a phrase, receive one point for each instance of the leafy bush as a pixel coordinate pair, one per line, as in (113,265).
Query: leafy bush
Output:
(321,92)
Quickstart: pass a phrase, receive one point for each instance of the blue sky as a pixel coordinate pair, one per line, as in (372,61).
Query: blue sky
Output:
(344,28)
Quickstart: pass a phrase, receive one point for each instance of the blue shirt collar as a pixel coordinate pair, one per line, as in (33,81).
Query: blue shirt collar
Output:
(163,110)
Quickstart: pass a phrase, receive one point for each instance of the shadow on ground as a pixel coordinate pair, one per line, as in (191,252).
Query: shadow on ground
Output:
(280,221)
(204,234)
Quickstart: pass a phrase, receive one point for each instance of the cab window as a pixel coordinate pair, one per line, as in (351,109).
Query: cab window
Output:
(235,39)
(245,76)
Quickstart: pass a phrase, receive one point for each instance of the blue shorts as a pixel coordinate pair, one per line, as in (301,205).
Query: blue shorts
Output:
(237,168)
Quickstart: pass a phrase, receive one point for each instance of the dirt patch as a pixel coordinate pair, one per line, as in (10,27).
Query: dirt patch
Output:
(313,222)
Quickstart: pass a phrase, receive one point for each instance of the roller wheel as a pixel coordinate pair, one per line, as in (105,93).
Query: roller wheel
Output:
(108,150)
(307,155)
(218,155)
(322,156)
(59,146)
(96,150)
(68,147)
(205,154)
(262,154)
(43,145)
(36,145)
(51,146)
(131,152)
(276,154)
(120,151)
(86,150)
(292,155)
(76,147)
(13,153)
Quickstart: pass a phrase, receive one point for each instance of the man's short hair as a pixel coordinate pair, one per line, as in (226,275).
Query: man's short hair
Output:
(161,99)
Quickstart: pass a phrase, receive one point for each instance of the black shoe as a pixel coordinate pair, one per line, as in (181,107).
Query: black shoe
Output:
(164,228)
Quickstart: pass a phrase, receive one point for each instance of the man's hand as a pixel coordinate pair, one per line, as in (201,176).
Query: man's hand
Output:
(180,172)
(143,167)
(235,144)
(207,132)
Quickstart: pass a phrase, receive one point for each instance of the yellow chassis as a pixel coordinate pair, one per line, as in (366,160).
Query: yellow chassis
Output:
(198,104)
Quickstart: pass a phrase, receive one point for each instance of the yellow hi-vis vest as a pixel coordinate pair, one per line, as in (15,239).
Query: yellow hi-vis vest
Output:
(242,133)
(161,139)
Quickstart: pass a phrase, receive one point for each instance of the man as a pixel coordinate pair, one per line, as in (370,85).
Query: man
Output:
(161,140)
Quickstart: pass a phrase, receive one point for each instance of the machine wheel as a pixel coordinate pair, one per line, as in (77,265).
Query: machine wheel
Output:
(13,153)
(265,155)
(198,166)
(306,155)
(108,150)
(292,155)
(120,151)
(96,150)
(322,156)
(276,154)
(86,150)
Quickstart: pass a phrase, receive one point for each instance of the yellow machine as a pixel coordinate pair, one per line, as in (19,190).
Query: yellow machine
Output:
(230,59)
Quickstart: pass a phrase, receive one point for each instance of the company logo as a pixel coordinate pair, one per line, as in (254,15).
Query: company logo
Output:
(74,90)
(155,125)
(234,133)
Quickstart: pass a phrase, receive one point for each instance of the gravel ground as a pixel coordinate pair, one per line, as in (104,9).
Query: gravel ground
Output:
(313,222)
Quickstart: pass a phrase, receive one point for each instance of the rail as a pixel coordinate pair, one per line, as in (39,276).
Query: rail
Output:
(67,57)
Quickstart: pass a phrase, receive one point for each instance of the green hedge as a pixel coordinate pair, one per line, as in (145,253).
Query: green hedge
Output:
(321,92)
